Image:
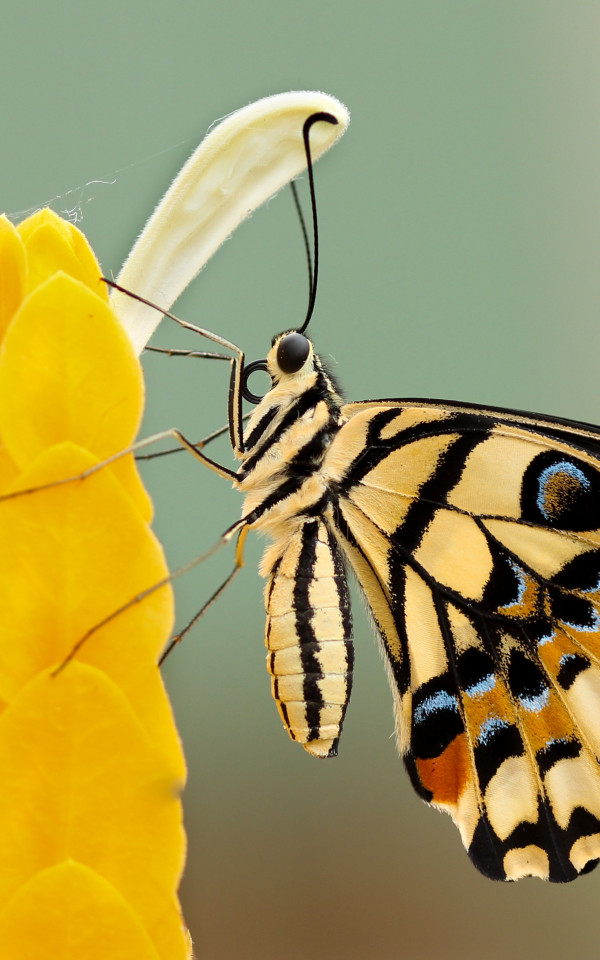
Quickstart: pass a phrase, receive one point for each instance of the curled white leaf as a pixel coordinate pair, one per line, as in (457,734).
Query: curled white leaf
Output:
(242,162)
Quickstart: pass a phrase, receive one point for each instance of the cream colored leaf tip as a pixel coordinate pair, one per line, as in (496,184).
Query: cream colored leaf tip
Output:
(242,162)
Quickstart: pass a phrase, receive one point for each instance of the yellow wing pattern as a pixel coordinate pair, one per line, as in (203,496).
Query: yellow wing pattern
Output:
(475,537)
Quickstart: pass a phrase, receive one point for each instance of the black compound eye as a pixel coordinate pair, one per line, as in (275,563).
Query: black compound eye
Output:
(292,352)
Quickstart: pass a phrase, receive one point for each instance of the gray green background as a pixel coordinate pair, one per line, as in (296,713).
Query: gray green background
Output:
(460,230)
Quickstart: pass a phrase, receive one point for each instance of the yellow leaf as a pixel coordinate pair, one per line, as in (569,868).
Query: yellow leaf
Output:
(169,934)
(8,468)
(68,372)
(90,761)
(81,781)
(69,912)
(69,557)
(52,244)
(88,265)
(13,271)
(47,253)
(42,218)
(65,344)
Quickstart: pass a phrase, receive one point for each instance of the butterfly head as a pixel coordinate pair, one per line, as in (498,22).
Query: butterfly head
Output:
(295,368)
(290,357)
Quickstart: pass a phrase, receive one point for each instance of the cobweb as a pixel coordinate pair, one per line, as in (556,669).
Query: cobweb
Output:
(72,203)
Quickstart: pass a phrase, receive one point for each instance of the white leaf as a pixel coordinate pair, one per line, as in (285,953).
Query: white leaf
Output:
(242,162)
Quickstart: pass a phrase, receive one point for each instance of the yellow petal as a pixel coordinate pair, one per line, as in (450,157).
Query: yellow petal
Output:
(13,271)
(69,912)
(126,471)
(170,935)
(82,781)
(42,218)
(8,468)
(88,265)
(53,244)
(69,557)
(47,253)
(68,372)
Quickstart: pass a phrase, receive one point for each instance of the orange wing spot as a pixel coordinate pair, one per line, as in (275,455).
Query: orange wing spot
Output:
(528,603)
(446,776)
(561,644)
(554,722)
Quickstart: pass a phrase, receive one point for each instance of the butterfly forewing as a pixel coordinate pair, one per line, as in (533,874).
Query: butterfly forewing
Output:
(475,537)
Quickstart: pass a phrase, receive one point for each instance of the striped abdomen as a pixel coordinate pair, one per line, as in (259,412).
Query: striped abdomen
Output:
(309,638)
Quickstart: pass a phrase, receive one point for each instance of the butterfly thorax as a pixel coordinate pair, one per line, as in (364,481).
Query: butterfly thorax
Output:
(285,443)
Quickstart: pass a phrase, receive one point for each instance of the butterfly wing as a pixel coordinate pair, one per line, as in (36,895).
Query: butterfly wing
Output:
(475,536)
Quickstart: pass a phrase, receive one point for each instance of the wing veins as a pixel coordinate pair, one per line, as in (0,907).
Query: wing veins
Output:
(446,631)
(452,508)
(551,827)
(457,598)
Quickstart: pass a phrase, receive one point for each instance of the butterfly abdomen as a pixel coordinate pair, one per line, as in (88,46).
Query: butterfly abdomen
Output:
(309,638)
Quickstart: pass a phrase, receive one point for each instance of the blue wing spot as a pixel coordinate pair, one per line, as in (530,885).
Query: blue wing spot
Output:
(570,666)
(490,727)
(563,492)
(547,638)
(535,703)
(545,502)
(482,686)
(521,579)
(435,703)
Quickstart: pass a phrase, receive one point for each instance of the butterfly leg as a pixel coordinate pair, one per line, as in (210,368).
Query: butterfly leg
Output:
(193,448)
(239,563)
(234,415)
(234,401)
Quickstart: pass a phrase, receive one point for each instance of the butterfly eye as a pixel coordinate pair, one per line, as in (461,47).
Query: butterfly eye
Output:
(292,352)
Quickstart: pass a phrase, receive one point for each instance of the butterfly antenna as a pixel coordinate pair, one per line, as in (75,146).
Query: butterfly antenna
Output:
(312,272)
(307,249)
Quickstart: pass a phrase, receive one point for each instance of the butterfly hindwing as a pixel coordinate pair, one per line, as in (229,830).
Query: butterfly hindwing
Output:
(475,536)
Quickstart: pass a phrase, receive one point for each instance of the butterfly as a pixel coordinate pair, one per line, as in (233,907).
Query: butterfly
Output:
(474,534)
